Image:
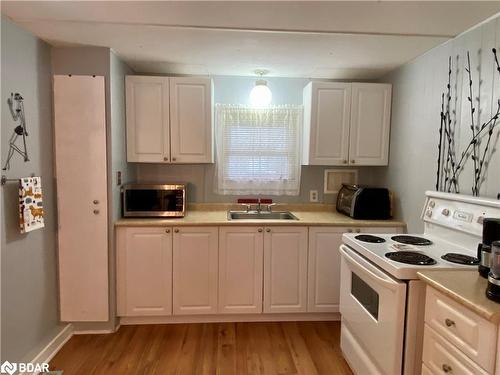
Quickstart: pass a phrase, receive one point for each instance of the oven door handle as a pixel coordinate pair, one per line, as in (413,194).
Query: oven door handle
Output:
(365,268)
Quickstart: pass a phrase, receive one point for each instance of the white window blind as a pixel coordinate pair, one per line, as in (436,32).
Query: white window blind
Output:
(258,149)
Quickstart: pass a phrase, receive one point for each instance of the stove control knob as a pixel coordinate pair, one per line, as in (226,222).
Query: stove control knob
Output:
(428,213)
(432,204)
(446,212)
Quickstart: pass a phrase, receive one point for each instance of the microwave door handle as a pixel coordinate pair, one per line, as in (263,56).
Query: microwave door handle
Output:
(370,271)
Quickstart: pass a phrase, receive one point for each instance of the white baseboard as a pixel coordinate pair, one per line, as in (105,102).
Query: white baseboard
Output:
(229,318)
(51,349)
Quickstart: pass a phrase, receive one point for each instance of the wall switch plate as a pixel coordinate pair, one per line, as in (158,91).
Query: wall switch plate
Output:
(313,195)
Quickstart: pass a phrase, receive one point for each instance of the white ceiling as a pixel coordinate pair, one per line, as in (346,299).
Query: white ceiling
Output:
(349,39)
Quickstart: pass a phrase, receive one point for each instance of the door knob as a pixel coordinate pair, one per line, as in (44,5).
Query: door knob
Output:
(96,212)
(96,201)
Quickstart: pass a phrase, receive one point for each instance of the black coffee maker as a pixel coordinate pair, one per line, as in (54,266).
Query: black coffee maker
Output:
(491,233)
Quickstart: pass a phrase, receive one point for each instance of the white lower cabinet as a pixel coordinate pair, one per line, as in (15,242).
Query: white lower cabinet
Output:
(241,251)
(324,269)
(195,270)
(144,271)
(205,270)
(285,269)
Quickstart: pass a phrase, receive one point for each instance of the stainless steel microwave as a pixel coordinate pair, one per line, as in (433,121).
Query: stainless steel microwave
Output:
(148,200)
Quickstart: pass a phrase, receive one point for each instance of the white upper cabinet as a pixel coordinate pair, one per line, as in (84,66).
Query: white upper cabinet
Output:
(346,123)
(148,134)
(327,108)
(370,124)
(191,120)
(169,120)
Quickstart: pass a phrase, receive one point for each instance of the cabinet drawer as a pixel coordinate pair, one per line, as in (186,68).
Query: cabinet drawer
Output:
(473,335)
(441,357)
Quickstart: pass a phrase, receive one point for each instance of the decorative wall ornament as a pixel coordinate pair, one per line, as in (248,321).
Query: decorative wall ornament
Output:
(478,149)
(16,107)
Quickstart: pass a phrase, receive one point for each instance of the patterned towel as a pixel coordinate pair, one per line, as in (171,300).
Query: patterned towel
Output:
(30,204)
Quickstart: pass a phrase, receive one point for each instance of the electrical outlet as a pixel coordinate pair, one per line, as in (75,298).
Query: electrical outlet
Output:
(313,195)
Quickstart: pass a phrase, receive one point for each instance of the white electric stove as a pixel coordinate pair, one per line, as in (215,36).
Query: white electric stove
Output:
(382,300)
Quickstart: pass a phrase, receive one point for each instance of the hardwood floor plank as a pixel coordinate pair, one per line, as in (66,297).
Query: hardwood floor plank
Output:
(257,348)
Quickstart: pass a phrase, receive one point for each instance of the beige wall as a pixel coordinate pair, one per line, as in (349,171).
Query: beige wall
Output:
(416,103)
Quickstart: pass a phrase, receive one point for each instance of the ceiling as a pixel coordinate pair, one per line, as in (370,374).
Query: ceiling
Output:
(337,39)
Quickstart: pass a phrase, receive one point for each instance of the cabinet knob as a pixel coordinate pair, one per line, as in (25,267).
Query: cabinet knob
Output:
(268,230)
(349,230)
(449,322)
(95,201)
(353,161)
(259,230)
(176,230)
(174,159)
(446,368)
(165,159)
(358,230)
(96,212)
(167,230)
(344,161)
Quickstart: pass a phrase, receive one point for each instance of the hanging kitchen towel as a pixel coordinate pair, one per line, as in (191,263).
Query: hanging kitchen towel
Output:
(30,204)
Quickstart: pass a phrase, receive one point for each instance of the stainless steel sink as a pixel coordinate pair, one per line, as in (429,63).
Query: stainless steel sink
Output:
(263,215)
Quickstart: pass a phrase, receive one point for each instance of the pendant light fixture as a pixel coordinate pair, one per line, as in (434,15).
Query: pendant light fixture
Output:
(261,95)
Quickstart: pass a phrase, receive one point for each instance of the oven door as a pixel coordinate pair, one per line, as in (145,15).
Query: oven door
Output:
(372,304)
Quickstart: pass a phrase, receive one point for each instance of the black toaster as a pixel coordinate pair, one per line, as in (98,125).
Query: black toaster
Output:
(364,202)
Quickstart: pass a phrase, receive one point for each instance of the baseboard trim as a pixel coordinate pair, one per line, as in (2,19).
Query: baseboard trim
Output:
(228,318)
(94,331)
(52,348)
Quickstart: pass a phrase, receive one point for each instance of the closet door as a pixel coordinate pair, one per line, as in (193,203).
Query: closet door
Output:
(80,149)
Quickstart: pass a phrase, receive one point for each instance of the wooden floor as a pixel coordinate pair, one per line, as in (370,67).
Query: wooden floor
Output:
(221,348)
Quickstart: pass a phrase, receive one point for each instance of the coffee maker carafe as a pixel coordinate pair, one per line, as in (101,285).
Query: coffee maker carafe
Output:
(491,233)
(493,289)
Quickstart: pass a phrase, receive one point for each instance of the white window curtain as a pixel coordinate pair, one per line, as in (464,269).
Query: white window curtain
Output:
(258,149)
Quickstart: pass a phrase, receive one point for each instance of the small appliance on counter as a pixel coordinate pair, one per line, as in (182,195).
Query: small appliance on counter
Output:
(493,289)
(491,232)
(153,200)
(363,202)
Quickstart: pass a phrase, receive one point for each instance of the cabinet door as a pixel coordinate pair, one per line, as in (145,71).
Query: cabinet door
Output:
(370,124)
(195,271)
(324,269)
(191,120)
(327,107)
(241,251)
(285,269)
(147,119)
(144,271)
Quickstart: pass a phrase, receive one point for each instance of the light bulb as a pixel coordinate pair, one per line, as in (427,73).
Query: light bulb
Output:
(261,95)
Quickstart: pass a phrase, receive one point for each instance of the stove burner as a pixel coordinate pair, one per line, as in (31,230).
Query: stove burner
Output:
(411,257)
(369,238)
(412,240)
(460,259)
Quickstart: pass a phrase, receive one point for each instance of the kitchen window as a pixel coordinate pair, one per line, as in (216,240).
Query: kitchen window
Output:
(258,149)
